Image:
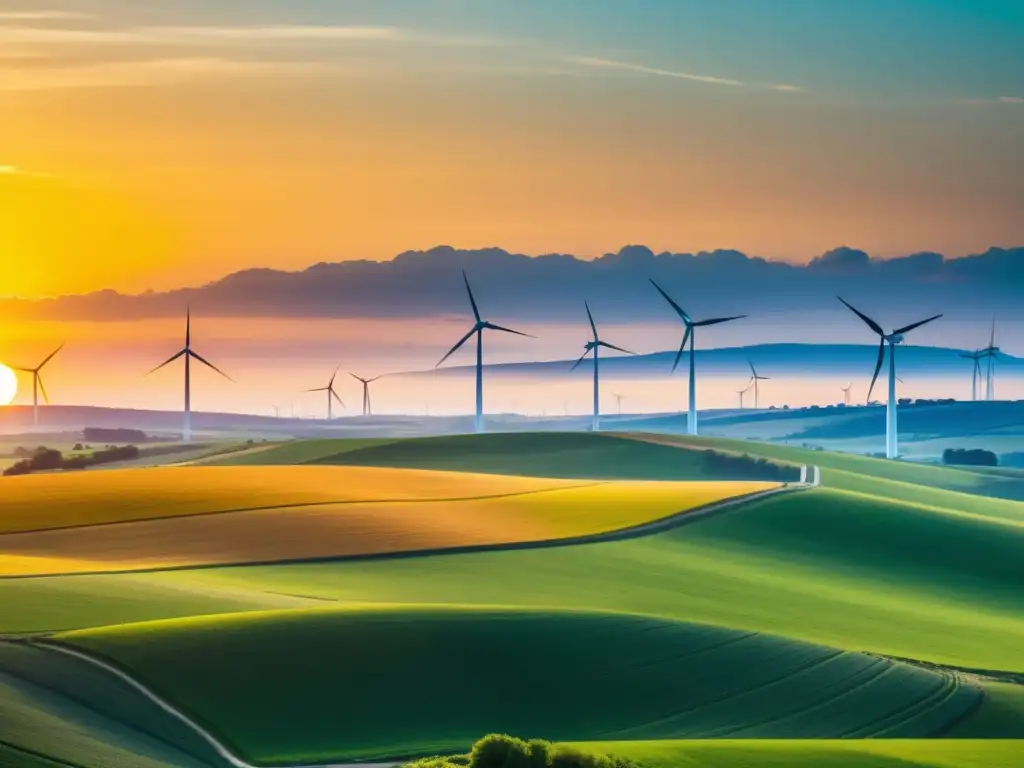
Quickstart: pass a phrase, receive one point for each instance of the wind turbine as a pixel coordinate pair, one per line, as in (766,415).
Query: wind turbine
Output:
(478,329)
(755,378)
(846,393)
(991,352)
(691,416)
(37,384)
(742,392)
(618,402)
(188,353)
(367,410)
(331,396)
(976,374)
(894,338)
(593,346)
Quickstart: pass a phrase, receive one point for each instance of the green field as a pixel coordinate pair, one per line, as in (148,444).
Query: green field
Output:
(818,754)
(889,559)
(352,681)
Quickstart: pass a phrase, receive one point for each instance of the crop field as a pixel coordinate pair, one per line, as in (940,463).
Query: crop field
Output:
(325,530)
(44,502)
(554,674)
(85,723)
(873,753)
(686,643)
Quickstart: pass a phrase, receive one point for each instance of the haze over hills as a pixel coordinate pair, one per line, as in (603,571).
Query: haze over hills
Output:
(550,287)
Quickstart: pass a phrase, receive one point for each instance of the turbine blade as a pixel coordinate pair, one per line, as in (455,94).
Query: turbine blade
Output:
(577,363)
(717,320)
(878,367)
(871,323)
(992,338)
(752,369)
(476,312)
(320,389)
(50,357)
(454,349)
(591,318)
(679,310)
(46,397)
(617,349)
(188,325)
(335,394)
(330,384)
(168,361)
(682,348)
(208,364)
(494,327)
(357,378)
(918,324)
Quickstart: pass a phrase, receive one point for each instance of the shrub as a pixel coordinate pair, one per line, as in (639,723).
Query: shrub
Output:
(47,458)
(976,457)
(563,756)
(540,752)
(23,467)
(500,751)
(77,447)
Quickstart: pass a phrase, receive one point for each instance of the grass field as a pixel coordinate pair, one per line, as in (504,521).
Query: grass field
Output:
(353,682)
(355,529)
(818,754)
(553,454)
(888,559)
(54,706)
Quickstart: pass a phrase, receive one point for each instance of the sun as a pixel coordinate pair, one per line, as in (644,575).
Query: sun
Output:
(8,385)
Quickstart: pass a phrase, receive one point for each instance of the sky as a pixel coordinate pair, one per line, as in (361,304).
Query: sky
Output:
(168,143)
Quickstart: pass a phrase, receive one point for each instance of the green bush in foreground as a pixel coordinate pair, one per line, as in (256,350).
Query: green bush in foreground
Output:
(503,751)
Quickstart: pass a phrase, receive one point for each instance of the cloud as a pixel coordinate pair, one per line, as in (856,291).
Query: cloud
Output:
(1011,99)
(43,15)
(149,72)
(553,287)
(241,34)
(593,61)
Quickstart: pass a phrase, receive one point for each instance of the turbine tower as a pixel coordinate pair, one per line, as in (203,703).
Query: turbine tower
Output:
(894,338)
(991,352)
(846,393)
(478,329)
(742,392)
(618,402)
(691,416)
(189,354)
(593,346)
(331,396)
(37,384)
(755,378)
(367,410)
(976,373)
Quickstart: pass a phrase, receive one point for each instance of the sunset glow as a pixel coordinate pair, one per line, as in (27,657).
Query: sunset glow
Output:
(8,385)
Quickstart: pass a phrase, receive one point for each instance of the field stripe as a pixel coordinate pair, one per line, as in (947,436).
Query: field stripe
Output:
(306,504)
(676,520)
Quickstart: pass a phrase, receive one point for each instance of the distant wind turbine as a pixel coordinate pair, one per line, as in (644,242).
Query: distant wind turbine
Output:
(331,395)
(894,338)
(37,384)
(991,352)
(846,393)
(691,416)
(618,402)
(756,378)
(189,354)
(367,410)
(593,346)
(478,329)
(977,357)
(742,392)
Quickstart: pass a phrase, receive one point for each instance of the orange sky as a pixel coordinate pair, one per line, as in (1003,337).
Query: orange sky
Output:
(129,172)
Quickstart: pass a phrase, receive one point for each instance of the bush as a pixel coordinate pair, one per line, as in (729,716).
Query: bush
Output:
(540,752)
(23,467)
(972,457)
(77,447)
(47,458)
(500,751)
